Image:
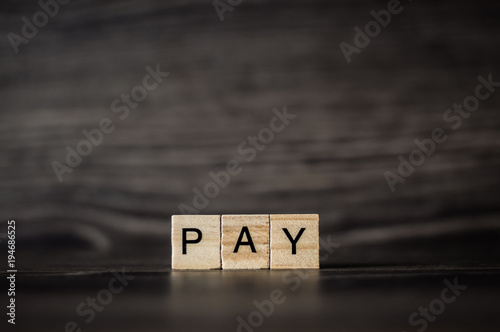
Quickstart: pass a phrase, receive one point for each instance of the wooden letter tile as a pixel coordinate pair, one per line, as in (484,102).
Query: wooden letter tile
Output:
(294,241)
(196,242)
(245,241)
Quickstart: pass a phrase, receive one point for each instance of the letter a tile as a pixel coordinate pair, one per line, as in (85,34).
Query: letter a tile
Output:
(245,241)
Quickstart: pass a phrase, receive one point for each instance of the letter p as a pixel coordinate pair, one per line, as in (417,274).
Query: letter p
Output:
(185,241)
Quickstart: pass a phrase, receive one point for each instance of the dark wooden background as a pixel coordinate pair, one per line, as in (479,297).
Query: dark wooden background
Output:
(225,78)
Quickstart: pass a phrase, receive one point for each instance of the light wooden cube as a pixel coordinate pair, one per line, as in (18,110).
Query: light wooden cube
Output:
(196,242)
(303,229)
(252,233)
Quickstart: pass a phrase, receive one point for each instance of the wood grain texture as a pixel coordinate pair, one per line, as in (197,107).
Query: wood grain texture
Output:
(353,122)
(205,254)
(306,255)
(246,257)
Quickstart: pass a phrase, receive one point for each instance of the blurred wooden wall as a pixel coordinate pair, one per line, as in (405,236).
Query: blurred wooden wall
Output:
(353,121)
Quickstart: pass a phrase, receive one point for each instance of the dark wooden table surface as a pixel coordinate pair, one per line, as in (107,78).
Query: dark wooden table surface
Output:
(365,299)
